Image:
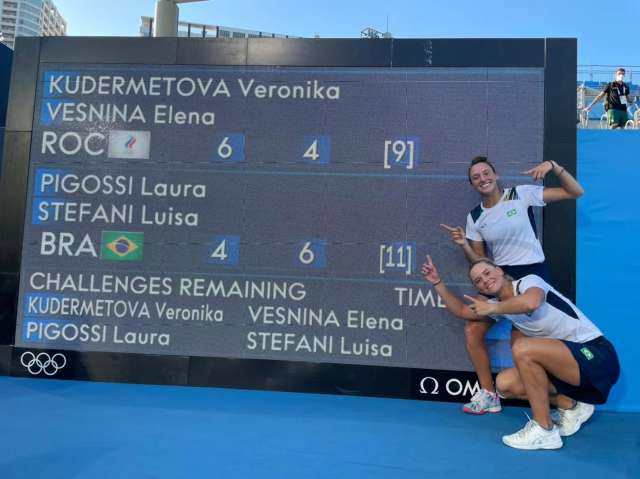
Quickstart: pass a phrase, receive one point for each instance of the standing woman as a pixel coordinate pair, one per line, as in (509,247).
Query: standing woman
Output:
(502,227)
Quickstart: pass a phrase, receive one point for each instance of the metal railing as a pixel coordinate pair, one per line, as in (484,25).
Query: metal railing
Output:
(605,73)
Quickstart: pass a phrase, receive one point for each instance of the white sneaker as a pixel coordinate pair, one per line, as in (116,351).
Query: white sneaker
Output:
(534,436)
(482,402)
(570,420)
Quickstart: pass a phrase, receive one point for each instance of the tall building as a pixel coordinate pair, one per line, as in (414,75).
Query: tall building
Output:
(29,18)
(200,30)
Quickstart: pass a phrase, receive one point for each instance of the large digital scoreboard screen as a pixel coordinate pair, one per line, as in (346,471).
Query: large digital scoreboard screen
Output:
(272,214)
(261,212)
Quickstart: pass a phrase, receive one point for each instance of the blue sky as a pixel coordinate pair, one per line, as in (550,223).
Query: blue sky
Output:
(608,33)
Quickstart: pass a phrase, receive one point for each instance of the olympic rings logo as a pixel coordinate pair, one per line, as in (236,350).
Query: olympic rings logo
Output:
(43,363)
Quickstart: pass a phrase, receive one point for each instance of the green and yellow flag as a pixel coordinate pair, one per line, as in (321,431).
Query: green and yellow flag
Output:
(121,246)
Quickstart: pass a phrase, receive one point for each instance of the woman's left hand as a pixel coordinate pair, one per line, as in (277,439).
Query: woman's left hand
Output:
(540,171)
(480,307)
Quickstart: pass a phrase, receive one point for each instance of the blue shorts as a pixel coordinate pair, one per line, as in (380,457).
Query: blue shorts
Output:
(599,371)
(521,270)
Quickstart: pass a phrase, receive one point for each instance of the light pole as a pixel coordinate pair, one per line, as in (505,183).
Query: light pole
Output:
(166,21)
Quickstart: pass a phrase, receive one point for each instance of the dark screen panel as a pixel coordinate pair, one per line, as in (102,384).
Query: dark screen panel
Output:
(256,212)
(343,211)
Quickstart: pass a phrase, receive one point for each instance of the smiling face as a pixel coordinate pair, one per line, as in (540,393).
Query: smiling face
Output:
(487,278)
(483,178)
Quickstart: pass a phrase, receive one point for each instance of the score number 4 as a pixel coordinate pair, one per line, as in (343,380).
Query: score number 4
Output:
(224,249)
(317,149)
(400,153)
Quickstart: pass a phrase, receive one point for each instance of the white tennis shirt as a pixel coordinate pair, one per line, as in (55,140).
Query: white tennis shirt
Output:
(556,318)
(508,228)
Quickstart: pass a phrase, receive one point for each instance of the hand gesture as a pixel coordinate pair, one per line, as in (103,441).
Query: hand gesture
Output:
(480,307)
(540,171)
(456,234)
(429,271)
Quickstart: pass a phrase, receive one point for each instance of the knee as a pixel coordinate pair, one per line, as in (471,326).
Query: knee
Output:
(474,333)
(522,349)
(504,385)
(508,385)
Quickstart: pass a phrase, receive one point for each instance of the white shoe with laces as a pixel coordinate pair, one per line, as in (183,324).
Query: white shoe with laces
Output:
(534,436)
(570,420)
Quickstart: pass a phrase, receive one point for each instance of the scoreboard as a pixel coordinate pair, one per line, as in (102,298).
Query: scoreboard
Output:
(262,212)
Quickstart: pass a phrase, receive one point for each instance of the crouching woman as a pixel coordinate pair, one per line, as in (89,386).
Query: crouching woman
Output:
(561,357)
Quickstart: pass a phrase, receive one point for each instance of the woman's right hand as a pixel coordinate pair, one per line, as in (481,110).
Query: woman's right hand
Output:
(429,271)
(456,234)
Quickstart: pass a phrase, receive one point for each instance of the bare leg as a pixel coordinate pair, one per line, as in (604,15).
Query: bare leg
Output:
(560,400)
(516,334)
(474,333)
(534,357)
(510,385)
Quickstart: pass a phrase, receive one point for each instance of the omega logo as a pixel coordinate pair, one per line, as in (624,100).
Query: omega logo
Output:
(454,387)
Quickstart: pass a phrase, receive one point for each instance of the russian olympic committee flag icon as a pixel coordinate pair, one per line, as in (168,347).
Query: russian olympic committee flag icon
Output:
(129,144)
(121,246)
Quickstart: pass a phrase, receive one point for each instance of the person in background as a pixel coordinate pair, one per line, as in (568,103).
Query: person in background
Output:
(617,100)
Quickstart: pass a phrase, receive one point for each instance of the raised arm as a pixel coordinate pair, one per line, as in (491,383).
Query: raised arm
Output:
(569,187)
(453,303)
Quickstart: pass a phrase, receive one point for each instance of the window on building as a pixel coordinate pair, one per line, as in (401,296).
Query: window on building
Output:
(25,7)
(35,3)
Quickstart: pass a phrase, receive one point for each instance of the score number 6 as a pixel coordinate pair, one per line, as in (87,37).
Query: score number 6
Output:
(312,253)
(230,148)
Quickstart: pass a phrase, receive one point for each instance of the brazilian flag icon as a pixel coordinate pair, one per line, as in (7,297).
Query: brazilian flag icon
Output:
(121,246)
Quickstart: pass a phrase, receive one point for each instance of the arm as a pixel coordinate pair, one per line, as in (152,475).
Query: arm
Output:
(524,303)
(596,100)
(569,187)
(473,250)
(453,303)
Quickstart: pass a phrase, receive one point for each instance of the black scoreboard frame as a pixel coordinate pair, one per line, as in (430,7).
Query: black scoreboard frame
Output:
(556,55)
